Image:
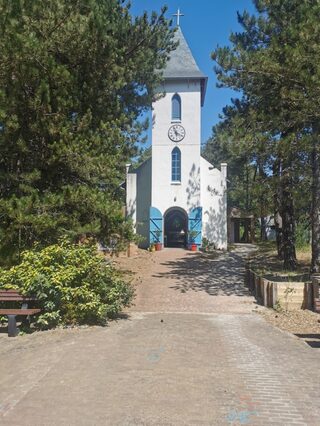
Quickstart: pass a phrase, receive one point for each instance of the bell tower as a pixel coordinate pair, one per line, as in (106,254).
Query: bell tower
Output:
(176,197)
(176,132)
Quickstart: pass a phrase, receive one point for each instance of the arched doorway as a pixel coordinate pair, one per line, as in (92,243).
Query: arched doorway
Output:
(175,227)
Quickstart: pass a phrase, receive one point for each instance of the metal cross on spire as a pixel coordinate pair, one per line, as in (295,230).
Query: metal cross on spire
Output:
(178,14)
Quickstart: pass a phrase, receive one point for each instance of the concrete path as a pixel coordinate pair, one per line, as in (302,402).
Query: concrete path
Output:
(166,363)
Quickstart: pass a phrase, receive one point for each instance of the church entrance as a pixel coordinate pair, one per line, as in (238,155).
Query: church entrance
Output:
(175,228)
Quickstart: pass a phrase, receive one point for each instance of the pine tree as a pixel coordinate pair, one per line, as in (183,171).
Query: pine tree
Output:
(74,78)
(274,61)
(238,140)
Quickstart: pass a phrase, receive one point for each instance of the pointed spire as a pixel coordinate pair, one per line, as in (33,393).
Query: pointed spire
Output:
(182,64)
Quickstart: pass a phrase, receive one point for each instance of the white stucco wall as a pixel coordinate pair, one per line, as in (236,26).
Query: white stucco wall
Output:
(143,202)
(131,197)
(201,184)
(165,194)
(214,204)
(139,200)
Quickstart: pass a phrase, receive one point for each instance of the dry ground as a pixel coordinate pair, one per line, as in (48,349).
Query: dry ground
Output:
(266,261)
(302,323)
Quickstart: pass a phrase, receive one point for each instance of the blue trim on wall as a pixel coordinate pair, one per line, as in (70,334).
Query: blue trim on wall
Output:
(195,224)
(155,225)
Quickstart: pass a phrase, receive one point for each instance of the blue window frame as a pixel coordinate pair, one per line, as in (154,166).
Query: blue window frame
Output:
(176,107)
(176,165)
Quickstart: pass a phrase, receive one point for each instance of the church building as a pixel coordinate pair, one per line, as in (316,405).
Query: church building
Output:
(177,197)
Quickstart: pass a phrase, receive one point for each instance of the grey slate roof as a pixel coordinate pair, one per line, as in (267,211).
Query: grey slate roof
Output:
(182,64)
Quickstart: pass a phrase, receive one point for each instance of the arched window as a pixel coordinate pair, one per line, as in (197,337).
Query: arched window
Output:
(176,165)
(176,107)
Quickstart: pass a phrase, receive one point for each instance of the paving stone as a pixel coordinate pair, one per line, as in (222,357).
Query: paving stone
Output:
(210,362)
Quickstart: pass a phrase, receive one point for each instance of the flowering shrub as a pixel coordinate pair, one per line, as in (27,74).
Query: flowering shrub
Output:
(73,284)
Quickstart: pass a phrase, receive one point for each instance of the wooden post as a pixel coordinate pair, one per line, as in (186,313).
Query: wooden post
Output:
(237,231)
(316,296)
(253,237)
(247,274)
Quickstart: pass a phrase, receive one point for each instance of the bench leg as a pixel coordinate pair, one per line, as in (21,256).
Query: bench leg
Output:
(12,326)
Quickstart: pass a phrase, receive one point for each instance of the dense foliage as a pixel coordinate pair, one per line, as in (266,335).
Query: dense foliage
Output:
(73,284)
(249,188)
(74,78)
(274,64)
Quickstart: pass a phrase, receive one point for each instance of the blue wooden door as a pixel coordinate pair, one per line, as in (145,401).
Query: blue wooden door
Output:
(156,233)
(195,224)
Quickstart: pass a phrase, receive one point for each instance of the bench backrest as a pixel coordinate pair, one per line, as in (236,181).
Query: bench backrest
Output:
(13,296)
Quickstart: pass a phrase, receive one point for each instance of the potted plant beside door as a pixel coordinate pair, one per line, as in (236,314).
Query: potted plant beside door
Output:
(157,243)
(192,240)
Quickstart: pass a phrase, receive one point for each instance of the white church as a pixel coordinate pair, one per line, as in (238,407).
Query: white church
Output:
(177,197)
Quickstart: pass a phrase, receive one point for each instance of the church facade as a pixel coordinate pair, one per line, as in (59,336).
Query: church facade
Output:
(177,197)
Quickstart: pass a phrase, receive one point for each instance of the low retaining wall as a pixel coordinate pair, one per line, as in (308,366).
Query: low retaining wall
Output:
(288,295)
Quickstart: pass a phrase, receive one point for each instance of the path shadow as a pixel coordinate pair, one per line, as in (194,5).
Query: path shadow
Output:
(221,276)
(313,340)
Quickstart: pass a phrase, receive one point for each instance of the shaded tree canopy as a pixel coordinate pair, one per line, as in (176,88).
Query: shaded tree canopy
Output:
(74,78)
(274,65)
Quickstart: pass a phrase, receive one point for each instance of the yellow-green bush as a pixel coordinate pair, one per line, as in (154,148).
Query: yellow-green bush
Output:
(73,284)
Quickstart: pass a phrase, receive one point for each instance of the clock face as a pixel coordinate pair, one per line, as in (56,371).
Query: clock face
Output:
(176,133)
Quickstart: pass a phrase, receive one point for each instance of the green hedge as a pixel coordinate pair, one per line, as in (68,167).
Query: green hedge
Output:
(73,283)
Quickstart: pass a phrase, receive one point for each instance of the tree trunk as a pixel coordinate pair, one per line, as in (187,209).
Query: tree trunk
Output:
(277,216)
(247,187)
(278,229)
(19,243)
(288,222)
(263,229)
(315,214)
(288,237)
(262,201)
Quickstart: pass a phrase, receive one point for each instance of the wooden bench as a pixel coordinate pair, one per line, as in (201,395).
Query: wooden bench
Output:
(12,313)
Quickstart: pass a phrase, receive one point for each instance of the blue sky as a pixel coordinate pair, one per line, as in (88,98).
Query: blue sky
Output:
(206,24)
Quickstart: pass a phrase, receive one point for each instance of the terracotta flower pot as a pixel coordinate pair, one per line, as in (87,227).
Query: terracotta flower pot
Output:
(158,246)
(194,247)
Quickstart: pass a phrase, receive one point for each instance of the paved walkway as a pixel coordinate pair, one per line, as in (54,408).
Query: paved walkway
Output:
(176,280)
(167,363)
